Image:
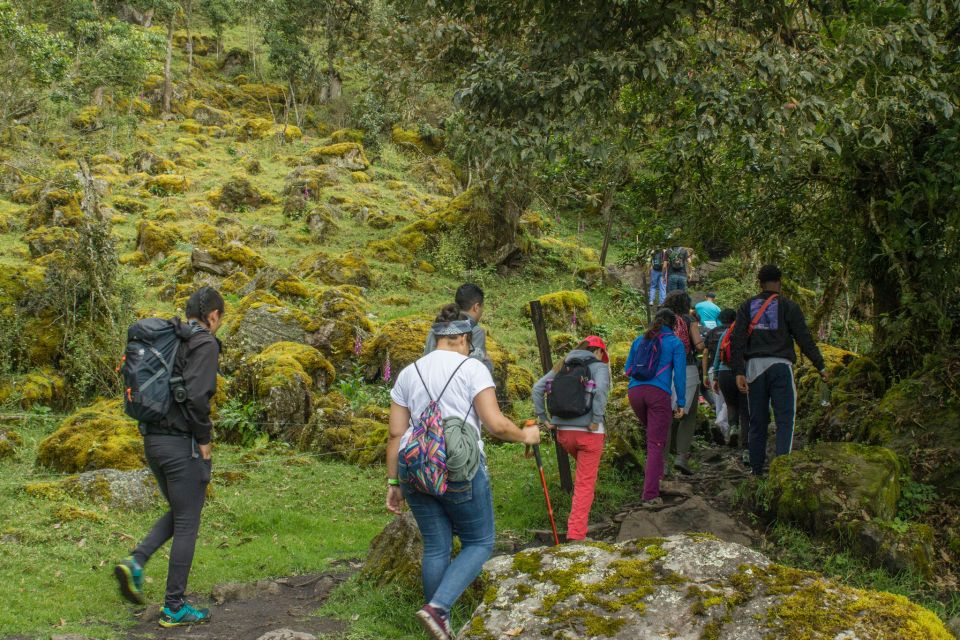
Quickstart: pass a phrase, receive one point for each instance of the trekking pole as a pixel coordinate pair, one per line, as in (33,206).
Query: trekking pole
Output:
(543,482)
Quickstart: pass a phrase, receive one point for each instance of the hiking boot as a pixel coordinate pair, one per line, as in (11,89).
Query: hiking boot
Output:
(435,622)
(185,615)
(717,434)
(734,440)
(129,575)
(652,504)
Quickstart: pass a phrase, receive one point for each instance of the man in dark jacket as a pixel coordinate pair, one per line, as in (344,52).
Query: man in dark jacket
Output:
(763,355)
(178,451)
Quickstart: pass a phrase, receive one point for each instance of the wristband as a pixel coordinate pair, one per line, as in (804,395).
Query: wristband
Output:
(393,482)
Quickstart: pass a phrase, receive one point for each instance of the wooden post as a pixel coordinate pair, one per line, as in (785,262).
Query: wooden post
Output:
(606,211)
(546,363)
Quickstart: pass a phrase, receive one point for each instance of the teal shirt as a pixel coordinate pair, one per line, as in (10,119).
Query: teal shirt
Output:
(708,313)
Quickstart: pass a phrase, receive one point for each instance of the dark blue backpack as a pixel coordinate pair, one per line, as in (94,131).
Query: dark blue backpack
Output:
(647,359)
(147,369)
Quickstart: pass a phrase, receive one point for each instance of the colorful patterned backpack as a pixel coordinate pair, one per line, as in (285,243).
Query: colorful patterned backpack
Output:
(425,454)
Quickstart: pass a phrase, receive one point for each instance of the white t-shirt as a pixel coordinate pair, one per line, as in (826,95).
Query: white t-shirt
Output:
(436,368)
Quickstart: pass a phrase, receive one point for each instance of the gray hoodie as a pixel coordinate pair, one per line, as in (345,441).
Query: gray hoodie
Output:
(600,373)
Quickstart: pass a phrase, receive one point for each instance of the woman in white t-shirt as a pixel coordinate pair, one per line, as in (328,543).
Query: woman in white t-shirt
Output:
(466,509)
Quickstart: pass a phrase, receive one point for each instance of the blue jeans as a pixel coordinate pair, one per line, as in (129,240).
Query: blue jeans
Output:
(676,282)
(658,285)
(773,386)
(465,510)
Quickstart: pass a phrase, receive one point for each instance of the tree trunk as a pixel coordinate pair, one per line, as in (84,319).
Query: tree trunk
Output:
(606,211)
(167,79)
(189,18)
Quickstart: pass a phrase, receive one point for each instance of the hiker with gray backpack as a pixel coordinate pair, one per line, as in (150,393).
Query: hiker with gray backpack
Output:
(435,462)
(575,394)
(170,374)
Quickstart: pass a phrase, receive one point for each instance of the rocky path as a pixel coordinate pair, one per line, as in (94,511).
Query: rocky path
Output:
(279,609)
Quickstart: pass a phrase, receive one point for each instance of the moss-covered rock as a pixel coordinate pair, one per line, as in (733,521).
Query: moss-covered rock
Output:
(343,324)
(394,555)
(689,586)
(87,119)
(127,204)
(134,490)
(896,546)
(346,135)
(282,378)
(409,139)
(10,441)
(467,216)
(398,343)
(520,381)
(566,310)
(347,155)
(100,436)
(279,281)
(239,193)
(156,240)
(347,268)
(166,184)
(45,240)
(225,259)
(361,441)
(826,482)
(259,320)
(42,387)
(308,181)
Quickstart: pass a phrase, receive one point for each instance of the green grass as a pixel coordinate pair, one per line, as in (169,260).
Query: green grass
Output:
(291,514)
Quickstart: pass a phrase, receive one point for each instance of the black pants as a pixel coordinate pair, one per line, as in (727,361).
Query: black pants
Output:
(738,412)
(183,478)
(775,387)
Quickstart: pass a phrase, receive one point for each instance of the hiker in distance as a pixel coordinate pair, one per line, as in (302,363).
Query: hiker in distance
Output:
(763,355)
(179,452)
(446,387)
(574,394)
(708,311)
(687,329)
(658,276)
(680,259)
(723,381)
(469,298)
(656,364)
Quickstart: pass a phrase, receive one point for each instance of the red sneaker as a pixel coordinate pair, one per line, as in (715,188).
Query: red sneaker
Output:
(435,622)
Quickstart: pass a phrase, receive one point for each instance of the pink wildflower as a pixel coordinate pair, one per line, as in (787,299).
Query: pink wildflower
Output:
(357,345)
(386,370)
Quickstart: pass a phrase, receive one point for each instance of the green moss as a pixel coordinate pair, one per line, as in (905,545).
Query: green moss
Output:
(10,441)
(346,135)
(87,119)
(128,204)
(168,184)
(96,437)
(566,310)
(348,268)
(239,193)
(155,239)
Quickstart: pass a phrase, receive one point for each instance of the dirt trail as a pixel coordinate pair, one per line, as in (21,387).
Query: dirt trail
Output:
(248,611)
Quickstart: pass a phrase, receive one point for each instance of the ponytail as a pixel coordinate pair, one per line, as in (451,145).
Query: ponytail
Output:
(664,318)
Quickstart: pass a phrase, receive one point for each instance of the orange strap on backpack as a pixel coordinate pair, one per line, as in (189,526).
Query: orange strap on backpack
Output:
(725,343)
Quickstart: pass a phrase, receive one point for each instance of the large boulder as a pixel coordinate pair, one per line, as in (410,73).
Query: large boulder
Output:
(826,482)
(343,324)
(10,441)
(394,555)
(100,436)
(397,344)
(239,193)
(348,268)
(282,379)
(346,155)
(685,587)
(226,259)
(132,490)
(566,311)
(259,320)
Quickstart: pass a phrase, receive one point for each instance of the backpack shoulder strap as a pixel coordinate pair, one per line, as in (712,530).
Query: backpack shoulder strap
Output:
(449,380)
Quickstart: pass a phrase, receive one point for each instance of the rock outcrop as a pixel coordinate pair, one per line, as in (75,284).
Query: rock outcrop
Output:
(685,587)
(96,437)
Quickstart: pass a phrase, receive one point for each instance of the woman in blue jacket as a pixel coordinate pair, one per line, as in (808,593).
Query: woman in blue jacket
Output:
(651,399)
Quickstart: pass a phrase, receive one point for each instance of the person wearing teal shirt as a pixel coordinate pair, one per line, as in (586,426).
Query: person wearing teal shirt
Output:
(708,311)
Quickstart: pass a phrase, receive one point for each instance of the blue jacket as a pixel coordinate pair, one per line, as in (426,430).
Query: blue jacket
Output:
(673,355)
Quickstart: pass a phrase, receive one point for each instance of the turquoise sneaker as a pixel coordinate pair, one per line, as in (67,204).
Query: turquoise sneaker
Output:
(185,615)
(129,575)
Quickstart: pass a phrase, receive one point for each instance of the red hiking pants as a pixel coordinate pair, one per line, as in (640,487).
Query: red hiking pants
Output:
(586,448)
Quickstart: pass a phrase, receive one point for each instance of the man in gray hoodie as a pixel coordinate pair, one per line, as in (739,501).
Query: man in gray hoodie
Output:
(581,436)
(469,298)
